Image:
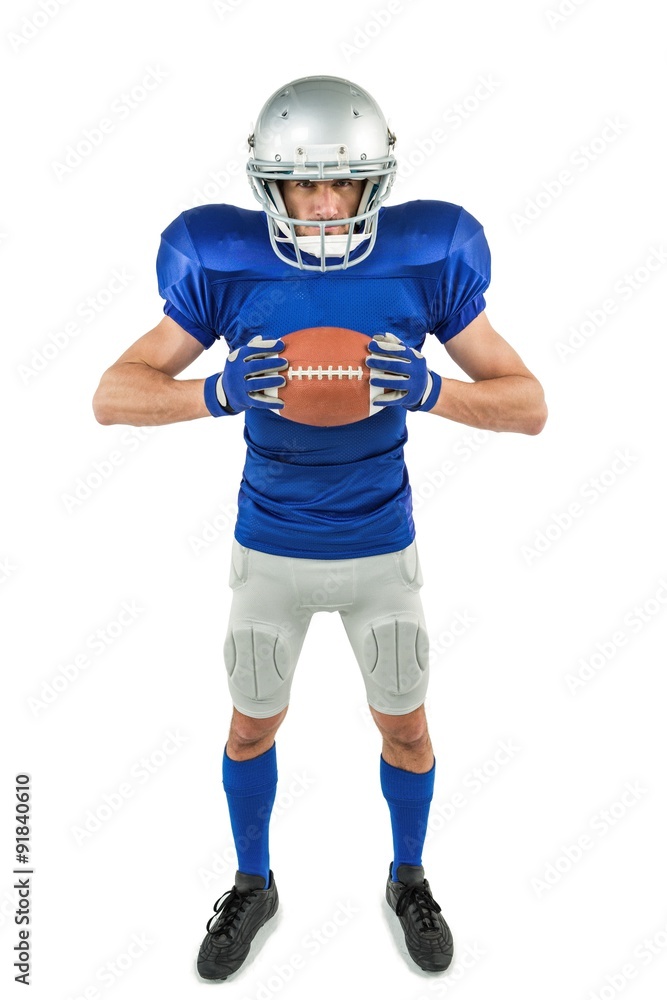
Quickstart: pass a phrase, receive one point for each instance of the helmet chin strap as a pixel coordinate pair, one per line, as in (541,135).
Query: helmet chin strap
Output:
(334,246)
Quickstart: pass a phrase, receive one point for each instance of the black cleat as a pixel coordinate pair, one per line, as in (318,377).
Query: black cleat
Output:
(427,936)
(234,924)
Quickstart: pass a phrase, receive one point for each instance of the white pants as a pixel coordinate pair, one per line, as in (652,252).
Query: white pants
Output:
(274,600)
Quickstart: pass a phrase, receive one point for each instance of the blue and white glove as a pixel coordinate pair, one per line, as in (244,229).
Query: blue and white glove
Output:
(248,371)
(402,370)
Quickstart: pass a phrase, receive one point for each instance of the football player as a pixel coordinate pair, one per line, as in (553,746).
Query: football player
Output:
(322,504)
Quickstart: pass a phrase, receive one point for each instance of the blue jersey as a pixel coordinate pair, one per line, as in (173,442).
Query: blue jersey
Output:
(324,492)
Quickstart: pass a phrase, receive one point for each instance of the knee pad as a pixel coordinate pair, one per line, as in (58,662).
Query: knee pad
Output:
(395,652)
(257,658)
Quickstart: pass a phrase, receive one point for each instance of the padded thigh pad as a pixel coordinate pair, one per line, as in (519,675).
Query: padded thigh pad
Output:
(396,652)
(256,658)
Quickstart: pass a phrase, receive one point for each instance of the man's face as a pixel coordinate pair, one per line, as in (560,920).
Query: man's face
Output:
(321,201)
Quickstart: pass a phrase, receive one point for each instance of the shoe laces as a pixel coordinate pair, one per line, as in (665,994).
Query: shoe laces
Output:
(229,910)
(419,896)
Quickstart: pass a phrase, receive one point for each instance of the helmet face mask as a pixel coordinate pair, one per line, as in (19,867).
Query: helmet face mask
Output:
(321,128)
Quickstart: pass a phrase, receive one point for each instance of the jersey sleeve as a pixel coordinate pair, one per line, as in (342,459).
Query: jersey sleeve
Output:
(183,283)
(465,276)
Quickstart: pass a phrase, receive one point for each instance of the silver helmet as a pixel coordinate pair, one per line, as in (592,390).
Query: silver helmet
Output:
(321,128)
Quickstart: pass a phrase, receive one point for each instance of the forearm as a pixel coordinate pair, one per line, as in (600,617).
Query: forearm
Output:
(134,393)
(508,403)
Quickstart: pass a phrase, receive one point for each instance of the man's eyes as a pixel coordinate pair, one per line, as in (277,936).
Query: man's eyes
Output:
(310,184)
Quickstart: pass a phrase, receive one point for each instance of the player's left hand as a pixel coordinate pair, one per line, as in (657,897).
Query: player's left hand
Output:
(403,371)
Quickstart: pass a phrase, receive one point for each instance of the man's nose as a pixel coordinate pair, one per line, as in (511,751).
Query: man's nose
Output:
(327,202)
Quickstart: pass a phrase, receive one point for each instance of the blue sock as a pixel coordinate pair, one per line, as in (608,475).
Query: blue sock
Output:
(408,795)
(250,787)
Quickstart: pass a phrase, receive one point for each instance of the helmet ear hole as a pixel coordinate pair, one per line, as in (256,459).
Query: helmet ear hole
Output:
(322,128)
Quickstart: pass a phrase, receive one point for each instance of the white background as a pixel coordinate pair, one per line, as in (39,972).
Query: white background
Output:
(537,90)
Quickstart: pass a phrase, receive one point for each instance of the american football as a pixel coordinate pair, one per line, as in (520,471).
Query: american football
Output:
(327,381)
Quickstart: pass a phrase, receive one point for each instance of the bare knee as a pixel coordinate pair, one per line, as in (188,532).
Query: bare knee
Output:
(405,732)
(249,737)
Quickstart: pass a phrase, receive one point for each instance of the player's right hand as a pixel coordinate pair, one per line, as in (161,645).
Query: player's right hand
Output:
(248,371)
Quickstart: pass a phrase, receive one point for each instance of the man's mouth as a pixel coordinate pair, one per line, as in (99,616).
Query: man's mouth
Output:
(333,230)
(328,230)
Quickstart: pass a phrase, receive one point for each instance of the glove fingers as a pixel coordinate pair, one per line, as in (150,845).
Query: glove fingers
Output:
(268,360)
(388,340)
(385,380)
(386,350)
(394,365)
(276,345)
(261,382)
(263,402)
(255,365)
(389,398)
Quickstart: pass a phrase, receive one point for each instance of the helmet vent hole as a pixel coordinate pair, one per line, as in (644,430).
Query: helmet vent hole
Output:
(356,113)
(285,113)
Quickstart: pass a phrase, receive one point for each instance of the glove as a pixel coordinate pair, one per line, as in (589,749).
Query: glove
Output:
(248,371)
(403,370)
